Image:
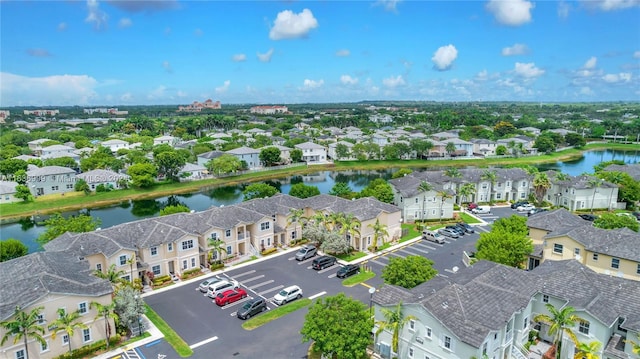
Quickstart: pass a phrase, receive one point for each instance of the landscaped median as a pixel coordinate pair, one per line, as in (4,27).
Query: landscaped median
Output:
(361,277)
(181,347)
(276,313)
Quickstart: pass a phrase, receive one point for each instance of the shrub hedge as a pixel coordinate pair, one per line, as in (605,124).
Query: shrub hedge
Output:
(268,251)
(87,350)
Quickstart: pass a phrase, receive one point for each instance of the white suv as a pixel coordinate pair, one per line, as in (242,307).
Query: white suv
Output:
(288,294)
(220,287)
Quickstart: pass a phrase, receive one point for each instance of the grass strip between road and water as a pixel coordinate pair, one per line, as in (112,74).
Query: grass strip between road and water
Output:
(276,313)
(181,347)
(361,277)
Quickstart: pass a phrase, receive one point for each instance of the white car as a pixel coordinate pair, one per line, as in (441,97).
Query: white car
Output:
(481,210)
(221,286)
(204,286)
(288,294)
(525,208)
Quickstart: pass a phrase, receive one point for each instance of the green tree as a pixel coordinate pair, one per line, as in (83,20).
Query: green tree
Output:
(143,175)
(450,148)
(560,322)
(444,196)
(422,147)
(23,193)
(507,242)
(602,165)
(575,139)
(394,321)
(12,248)
(82,186)
(57,225)
(24,326)
(628,188)
(501,150)
(105,312)
(409,271)
(341,189)
(491,177)
(169,164)
(217,249)
(302,190)
(12,165)
(612,221)
(270,156)
(379,232)
(172,209)
(342,151)
(20,176)
(466,191)
(259,190)
(113,275)
(594,183)
(401,173)
(129,306)
(67,323)
(62,162)
(224,164)
(544,144)
(296,155)
(379,189)
(541,184)
(504,128)
(423,188)
(588,350)
(339,327)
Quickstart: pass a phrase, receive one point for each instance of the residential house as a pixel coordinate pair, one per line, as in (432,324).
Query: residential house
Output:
(463,148)
(57,151)
(8,191)
(534,131)
(115,144)
(166,140)
(285,153)
(248,155)
(632,170)
(106,178)
(312,152)
(444,136)
(420,205)
(488,309)
(484,147)
(192,171)
(50,180)
(36,145)
(204,158)
(332,153)
(581,192)
(51,280)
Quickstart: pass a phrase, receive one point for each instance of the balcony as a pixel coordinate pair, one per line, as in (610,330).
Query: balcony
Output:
(242,235)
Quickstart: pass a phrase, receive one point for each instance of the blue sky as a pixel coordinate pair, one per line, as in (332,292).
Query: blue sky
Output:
(111,53)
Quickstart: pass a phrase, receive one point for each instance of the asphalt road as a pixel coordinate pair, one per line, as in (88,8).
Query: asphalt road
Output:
(215,332)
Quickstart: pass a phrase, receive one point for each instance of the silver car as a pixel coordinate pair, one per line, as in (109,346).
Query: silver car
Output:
(448,232)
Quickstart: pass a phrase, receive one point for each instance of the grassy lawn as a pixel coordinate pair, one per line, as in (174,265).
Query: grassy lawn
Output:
(355,279)
(413,232)
(276,313)
(351,257)
(467,218)
(181,347)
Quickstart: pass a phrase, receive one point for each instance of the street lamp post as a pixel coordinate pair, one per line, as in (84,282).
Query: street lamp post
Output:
(371,291)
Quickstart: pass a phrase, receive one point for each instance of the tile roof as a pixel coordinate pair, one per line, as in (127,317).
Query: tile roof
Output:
(27,279)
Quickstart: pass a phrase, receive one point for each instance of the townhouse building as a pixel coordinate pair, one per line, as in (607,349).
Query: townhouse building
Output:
(484,147)
(312,152)
(50,179)
(204,158)
(333,154)
(250,156)
(51,280)
(36,145)
(8,191)
(487,311)
(166,140)
(107,178)
(581,192)
(417,204)
(115,144)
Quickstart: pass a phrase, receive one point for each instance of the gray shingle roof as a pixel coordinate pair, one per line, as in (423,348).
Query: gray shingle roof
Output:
(243,151)
(555,220)
(50,170)
(620,242)
(632,169)
(211,154)
(308,146)
(100,175)
(8,187)
(27,279)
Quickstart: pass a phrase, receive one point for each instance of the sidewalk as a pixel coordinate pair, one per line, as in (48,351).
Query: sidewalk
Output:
(152,329)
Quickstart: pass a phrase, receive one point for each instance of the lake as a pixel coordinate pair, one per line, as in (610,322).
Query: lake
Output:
(27,230)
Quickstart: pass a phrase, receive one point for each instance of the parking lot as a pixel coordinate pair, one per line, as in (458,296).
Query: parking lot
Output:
(214,331)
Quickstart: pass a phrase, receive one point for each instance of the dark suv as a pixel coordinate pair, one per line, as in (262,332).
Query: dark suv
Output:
(323,262)
(518,204)
(251,308)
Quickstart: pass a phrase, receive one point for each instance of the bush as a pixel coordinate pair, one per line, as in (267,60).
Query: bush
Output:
(88,350)
(160,280)
(216,266)
(190,272)
(268,251)
(533,334)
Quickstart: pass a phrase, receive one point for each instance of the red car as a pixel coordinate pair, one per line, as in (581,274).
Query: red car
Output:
(230,296)
(472,206)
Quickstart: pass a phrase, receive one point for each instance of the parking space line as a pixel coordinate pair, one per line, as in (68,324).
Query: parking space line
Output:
(418,244)
(206,341)
(231,305)
(270,290)
(332,275)
(305,261)
(378,263)
(253,278)
(395,254)
(261,284)
(243,274)
(420,250)
(403,250)
(317,295)
(327,269)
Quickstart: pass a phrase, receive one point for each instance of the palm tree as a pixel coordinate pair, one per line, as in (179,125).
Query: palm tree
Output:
(350,226)
(541,183)
(67,323)
(560,322)
(466,191)
(453,173)
(335,221)
(394,320)
(130,262)
(379,231)
(24,326)
(217,247)
(295,215)
(450,148)
(489,175)
(423,188)
(113,275)
(560,176)
(587,351)
(594,183)
(105,311)
(444,195)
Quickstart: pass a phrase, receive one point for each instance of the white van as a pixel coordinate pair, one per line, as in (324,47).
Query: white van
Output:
(433,236)
(481,210)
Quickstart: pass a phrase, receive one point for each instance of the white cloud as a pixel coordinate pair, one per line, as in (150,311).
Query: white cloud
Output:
(511,12)
(393,82)
(16,90)
(482,75)
(516,49)
(611,5)
(159,93)
(443,57)
(591,63)
(388,5)
(167,66)
(348,80)
(343,53)
(95,15)
(125,22)
(528,70)
(224,87)
(38,52)
(62,26)
(266,57)
(239,58)
(311,84)
(563,10)
(289,25)
(636,55)
(615,78)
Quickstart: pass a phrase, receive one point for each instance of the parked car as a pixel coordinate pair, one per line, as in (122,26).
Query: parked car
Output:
(472,205)
(204,286)
(525,208)
(323,262)
(588,217)
(251,308)
(636,214)
(448,233)
(348,270)
(537,210)
(481,210)
(288,294)
(220,287)
(433,236)
(306,251)
(456,229)
(518,204)
(466,227)
(230,296)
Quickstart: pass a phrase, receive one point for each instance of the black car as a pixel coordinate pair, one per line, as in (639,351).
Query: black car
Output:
(323,262)
(518,204)
(465,227)
(251,308)
(456,229)
(636,214)
(348,270)
(588,217)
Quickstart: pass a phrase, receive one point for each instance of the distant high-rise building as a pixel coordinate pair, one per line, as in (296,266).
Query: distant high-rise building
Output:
(269,110)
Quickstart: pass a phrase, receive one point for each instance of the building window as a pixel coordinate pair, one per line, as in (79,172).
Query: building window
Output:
(193,262)
(154,251)
(169,247)
(86,335)
(265,225)
(545,298)
(615,263)
(123,260)
(99,267)
(410,352)
(416,199)
(227,233)
(44,347)
(20,354)
(214,235)
(576,251)
(412,325)
(557,248)
(447,342)
(82,308)
(638,269)
(525,323)
(156,270)
(65,339)
(522,195)
(584,327)
(498,195)
(228,250)
(427,333)
(187,244)
(40,319)
(293,235)
(595,257)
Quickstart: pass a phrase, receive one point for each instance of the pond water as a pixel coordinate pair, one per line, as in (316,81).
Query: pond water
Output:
(27,230)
